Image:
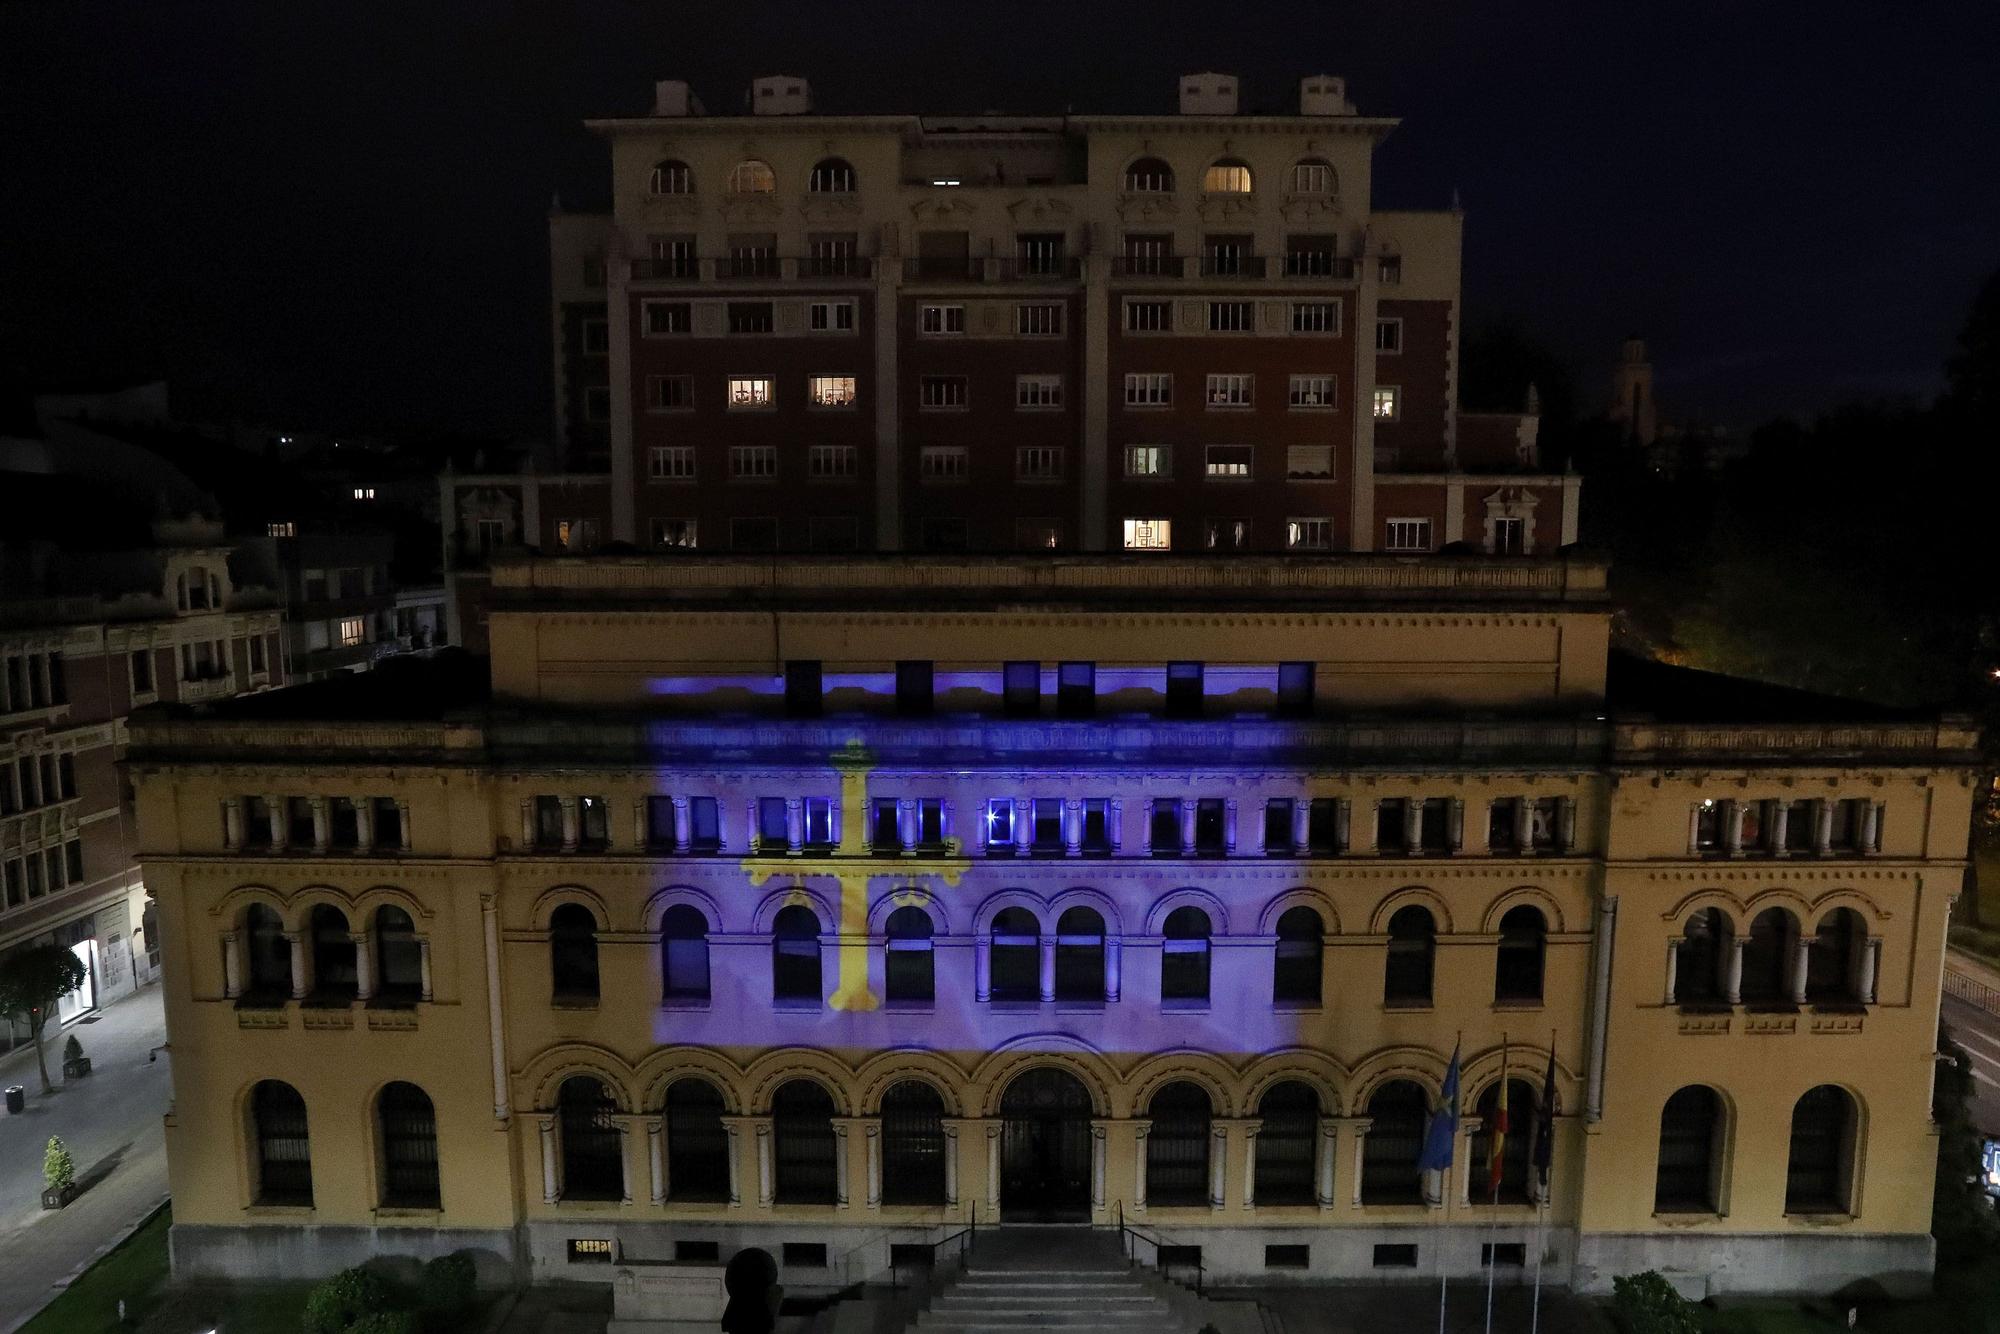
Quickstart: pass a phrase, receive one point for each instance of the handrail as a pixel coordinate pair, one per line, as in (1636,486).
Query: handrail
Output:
(1126,1229)
(965,1237)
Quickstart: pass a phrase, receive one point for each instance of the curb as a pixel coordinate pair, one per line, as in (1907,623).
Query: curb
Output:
(117,1239)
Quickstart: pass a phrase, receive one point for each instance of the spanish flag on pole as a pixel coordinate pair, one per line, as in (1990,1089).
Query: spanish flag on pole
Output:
(1498,1142)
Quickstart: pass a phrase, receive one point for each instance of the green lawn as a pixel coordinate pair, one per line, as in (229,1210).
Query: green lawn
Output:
(135,1272)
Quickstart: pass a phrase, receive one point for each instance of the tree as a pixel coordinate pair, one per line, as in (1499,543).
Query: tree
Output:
(31,982)
(1962,1218)
(1972,375)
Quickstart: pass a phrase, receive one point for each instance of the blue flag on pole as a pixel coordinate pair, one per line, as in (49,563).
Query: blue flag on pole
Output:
(1442,1132)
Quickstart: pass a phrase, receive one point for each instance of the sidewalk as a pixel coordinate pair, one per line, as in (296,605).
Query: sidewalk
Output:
(111,1123)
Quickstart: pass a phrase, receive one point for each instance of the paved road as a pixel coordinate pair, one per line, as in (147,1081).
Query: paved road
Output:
(111,1123)
(1979,1033)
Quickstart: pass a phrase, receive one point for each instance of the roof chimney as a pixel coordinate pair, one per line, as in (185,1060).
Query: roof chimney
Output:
(1324,95)
(780,95)
(1208,94)
(672,97)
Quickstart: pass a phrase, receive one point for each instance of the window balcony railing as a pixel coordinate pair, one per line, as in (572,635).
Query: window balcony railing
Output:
(755,267)
(1058,268)
(1232,266)
(1150,266)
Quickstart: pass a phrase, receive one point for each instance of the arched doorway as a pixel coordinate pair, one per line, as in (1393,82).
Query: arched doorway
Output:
(1045,1148)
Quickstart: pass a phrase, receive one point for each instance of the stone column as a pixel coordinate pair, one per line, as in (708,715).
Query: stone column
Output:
(1187,826)
(656,1158)
(1229,826)
(364,971)
(1870,963)
(1480,842)
(1325,1150)
(1673,970)
(871,1132)
(281,822)
(993,1129)
(1524,824)
(1566,824)
(951,1125)
(736,1127)
(683,834)
(322,826)
(1047,971)
(1732,982)
(1359,1127)
(1099,1131)
(232,966)
(1733,829)
(569,823)
(489,911)
(1454,825)
(1301,825)
(982,967)
(1024,827)
(1141,1128)
(1822,827)
(1114,822)
(906,825)
(977,842)
(551,1176)
(1413,824)
(625,1160)
(301,974)
(1468,1126)
(424,967)
(1250,1129)
(1113,967)
(1781,819)
(1343,825)
(1801,966)
(232,823)
(1072,826)
(528,828)
(364,823)
(841,1159)
(795,826)
(760,1126)
(1871,826)
(1694,829)
(1218,1164)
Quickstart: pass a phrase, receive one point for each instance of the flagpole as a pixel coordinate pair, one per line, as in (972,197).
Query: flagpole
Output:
(1446,1108)
(1542,1204)
(1495,1146)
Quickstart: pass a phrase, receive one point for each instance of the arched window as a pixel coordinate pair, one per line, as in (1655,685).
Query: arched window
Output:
(1079,955)
(284,1149)
(1698,963)
(1819,1169)
(1015,959)
(399,959)
(1513,1149)
(1406,979)
(1690,1152)
(832,176)
(1394,1143)
(913,1144)
(1286,1144)
(683,953)
(1177,1145)
(1295,976)
(593,1149)
(1313,176)
(909,967)
(697,1143)
(1149,176)
(672,177)
(1517,972)
(1184,956)
(752,177)
(333,972)
(407,1126)
(795,955)
(1767,957)
(270,953)
(802,1135)
(573,952)
(1833,960)
(1227,176)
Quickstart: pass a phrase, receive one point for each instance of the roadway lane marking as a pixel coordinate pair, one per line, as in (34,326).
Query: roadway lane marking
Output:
(1970,1035)
(1984,1078)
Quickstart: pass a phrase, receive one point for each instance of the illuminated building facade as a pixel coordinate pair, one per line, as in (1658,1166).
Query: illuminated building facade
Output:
(1156,886)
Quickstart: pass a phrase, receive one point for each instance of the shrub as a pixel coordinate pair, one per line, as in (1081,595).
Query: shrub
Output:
(447,1283)
(1648,1304)
(385,1322)
(72,1049)
(339,1304)
(58,1167)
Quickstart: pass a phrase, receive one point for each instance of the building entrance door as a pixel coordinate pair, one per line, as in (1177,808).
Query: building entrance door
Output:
(1045,1149)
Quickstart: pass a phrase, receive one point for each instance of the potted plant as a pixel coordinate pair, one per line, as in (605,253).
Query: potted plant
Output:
(75,1064)
(58,1175)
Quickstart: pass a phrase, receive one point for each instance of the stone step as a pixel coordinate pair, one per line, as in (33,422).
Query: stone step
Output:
(1015,1296)
(1029,1317)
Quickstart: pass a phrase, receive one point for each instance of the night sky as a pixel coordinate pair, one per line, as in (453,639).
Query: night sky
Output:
(332,215)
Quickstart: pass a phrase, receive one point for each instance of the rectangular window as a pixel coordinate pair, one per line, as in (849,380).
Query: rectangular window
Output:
(916,685)
(1510,536)
(1021,687)
(1045,828)
(1149,389)
(1278,828)
(1149,255)
(1503,1254)
(1076,689)
(1038,534)
(1149,461)
(753,463)
(73,860)
(669,393)
(1545,824)
(1038,392)
(1309,534)
(1395,1255)
(353,630)
(1228,462)
(774,824)
(660,827)
(670,463)
(1040,253)
(1313,255)
(1096,826)
(1388,403)
(885,832)
(590,1250)
(942,393)
(1039,463)
(142,671)
(1288,1257)
(942,463)
(1323,827)
(930,822)
(802,688)
(1184,689)
(751,317)
(832,532)
(1434,825)
(1149,317)
(672,256)
(1232,316)
(702,1252)
(832,463)
(1711,824)
(818,814)
(830,317)
(939,320)
(1295,689)
(1312,393)
(1229,256)
(1038,319)
(1163,827)
(1503,825)
(1392,831)
(673,534)
(344,824)
(596,337)
(1225,534)
(1315,317)
(1149,534)
(830,391)
(704,824)
(1388,336)
(1390,270)
(1309,463)
(805,1255)
(593,820)
(1407,535)
(664,318)
(751,392)
(1000,822)
(1230,391)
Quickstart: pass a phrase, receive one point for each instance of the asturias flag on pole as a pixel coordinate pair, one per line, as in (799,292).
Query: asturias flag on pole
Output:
(1443,1128)
(1545,1122)
(1497,1145)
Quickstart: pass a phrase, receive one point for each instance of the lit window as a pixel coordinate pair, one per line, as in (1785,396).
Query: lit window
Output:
(1228,462)
(1388,403)
(672,178)
(1038,391)
(576,534)
(1229,391)
(1309,534)
(1149,534)
(1388,335)
(751,393)
(364,493)
(1229,176)
(1309,463)
(941,320)
(1225,534)
(1313,176)
(752,177)
(1149,461)
(1312,392)
(1149,389)
(1000,822)
(286,529)
(670,463)
(831,391)
(1407,535)
(353,631)
(674,534)
(830,317)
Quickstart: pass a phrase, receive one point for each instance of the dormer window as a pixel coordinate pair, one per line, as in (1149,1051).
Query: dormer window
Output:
(752,177)
(198,590)
(832,176)
(1313,176)
(1227,176)
(671,177)
(1149,176)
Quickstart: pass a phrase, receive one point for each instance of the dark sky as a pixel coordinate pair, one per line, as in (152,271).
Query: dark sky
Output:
(331,213)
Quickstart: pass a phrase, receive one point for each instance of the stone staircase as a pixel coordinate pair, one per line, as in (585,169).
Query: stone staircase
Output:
(1061,1279)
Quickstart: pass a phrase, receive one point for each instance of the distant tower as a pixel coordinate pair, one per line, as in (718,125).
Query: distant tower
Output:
(1632,405)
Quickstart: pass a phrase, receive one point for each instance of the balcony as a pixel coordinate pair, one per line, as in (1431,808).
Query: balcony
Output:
(1302,266)
(753,268)
(959,269)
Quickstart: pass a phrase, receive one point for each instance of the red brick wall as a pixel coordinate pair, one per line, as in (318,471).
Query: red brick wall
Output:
(1421,370)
